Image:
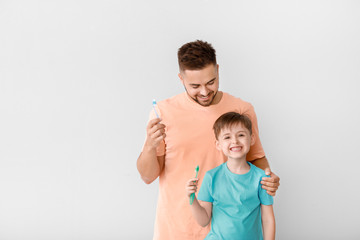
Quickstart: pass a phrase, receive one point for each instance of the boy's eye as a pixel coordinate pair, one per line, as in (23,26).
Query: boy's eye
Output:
(226,137)
(241,135)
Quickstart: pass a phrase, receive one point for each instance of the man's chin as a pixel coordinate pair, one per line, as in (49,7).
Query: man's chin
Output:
(205,103)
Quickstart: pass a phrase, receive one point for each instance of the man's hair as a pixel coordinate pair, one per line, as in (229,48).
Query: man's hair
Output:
(196,55)
(230,119)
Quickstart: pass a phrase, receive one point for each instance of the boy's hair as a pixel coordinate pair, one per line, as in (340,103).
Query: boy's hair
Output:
(196,55)
(230,119)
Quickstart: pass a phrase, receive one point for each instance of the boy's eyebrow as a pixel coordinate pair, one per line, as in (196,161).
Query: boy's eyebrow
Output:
(228,133)
(224,134)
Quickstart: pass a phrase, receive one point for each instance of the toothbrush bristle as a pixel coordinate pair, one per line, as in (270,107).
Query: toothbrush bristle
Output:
(154,102)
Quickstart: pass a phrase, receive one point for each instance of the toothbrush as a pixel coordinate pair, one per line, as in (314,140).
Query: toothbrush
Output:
(192,196)
(154,106)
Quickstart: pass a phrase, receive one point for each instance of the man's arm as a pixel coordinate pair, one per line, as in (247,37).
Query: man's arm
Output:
(268,222)
(149,164)
(261,163)
(272,183)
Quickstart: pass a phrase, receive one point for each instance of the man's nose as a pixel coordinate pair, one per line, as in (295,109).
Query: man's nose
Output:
(204,91)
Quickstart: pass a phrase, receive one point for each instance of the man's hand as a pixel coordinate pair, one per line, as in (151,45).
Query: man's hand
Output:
(155,133)
(270,184)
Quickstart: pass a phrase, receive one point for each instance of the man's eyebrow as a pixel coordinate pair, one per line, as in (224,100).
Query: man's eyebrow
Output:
(211,80)
(193,84)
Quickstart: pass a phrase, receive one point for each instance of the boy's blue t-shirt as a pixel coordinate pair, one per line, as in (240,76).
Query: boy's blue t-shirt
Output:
(236,202)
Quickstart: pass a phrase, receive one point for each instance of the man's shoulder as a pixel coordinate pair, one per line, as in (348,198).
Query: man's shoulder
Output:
(172,100)
(236,101)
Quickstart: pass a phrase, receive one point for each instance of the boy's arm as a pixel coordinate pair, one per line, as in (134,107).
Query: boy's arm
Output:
(268,222)
(202,212)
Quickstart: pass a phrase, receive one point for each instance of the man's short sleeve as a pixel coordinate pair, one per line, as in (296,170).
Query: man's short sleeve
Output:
(205,190)
(265,198)
(256,150)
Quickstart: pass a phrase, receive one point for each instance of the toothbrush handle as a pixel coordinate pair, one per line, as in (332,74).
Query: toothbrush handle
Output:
(192,196)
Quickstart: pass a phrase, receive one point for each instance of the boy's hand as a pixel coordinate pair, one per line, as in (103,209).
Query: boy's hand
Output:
(155,133)
(191,186)
(270,184)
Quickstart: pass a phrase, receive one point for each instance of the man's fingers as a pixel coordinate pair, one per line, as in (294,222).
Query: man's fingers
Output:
(270,184)
(271,189)
(157,131)
(274,179)
(271,193)
(157,134)
(154,121)
(154,124)
(267,171)
(156,127)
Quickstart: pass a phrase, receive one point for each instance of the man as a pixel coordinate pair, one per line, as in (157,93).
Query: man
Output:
(182,138)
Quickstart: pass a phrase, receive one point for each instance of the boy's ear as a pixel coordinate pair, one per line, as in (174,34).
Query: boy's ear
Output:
(252,140)
(217,144)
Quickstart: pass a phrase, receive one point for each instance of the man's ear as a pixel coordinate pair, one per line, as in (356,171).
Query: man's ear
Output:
(252,140)
(181,78)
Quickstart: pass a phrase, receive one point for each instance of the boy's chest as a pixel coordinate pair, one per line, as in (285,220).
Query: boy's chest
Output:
(236,194)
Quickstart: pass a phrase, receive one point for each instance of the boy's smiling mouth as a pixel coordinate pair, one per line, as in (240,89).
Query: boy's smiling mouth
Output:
(236,149)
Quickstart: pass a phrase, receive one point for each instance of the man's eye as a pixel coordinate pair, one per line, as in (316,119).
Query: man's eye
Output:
(195,87)
(211,83)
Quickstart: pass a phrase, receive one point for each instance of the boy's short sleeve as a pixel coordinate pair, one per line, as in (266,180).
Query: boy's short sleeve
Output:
(205,189)
(265,198)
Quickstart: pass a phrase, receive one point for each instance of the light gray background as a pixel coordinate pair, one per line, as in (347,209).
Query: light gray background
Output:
(77,79)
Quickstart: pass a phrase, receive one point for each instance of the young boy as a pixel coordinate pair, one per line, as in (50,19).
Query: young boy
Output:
(231,195)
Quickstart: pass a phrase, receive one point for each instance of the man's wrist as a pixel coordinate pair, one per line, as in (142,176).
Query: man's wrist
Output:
(149,148)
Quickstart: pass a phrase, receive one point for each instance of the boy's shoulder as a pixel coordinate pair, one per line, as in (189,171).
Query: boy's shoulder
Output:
(214,171)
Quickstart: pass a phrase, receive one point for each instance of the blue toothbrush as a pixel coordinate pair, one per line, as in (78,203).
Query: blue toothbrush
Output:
(154,106)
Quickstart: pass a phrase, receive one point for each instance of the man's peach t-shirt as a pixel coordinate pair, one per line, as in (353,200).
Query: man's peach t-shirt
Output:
(189,142)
